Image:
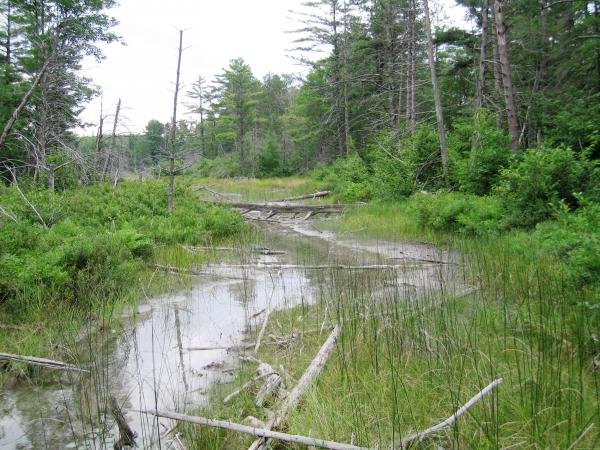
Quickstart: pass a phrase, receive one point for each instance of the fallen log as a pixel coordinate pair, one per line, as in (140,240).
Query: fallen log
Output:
(292,400)
(263,370)
(232,348)
(285,208)
(419,437)
(304,267)
(192,248)
(173,269)
(42,362)
(319,194)
(262,331)
(260,432)
(267,251)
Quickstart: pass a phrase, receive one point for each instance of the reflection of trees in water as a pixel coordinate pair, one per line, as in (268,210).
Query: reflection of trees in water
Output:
(243,292)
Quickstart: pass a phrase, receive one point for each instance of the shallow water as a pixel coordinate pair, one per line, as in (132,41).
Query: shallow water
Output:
(152,360)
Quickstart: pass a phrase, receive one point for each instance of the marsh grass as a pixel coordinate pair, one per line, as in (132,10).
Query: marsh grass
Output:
(405,362)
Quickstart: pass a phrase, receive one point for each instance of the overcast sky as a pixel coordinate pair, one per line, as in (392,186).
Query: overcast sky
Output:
(142,70)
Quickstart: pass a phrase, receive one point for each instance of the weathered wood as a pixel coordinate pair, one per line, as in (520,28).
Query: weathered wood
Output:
(285,208)
(292,400)
(192,248)
(231,348)
(272,384)
(173,269)
(263,370)
(419,437)
(304,267)
(319,194)
(260,432)
(126,434)
(262,331)
(42,362)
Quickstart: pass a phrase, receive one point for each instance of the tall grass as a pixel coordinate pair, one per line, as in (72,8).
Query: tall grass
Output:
(407,361)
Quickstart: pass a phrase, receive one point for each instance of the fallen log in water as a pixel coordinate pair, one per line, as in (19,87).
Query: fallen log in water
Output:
(42,362)
(260,432)
(173,269)
(292,400)
(232,348)
(285,208)
(192,248)
(319,194)
(305,267)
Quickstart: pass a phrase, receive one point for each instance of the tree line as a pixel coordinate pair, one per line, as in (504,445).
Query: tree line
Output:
(390,87)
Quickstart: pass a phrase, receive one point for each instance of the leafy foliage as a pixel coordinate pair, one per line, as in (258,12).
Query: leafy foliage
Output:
(98,237)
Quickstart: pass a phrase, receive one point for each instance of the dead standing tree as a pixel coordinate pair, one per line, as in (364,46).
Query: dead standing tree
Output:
(436,93)
(111,146)
(173,143)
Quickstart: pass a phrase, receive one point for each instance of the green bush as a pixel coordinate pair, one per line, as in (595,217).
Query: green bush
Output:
(457,212)
(403,165)
(476,168)
(575,238)
(348,177)
(221,167)
(534,185)
(98,237)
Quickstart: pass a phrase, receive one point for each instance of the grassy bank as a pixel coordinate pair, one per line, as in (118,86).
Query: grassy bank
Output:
(85,256)
(402,366)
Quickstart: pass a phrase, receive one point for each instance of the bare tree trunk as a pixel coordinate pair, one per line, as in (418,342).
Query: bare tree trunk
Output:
(99,142)
(436,93)
(336,80)
(412,75)
(497,72)
(482,71)
(15,115)
(346,103)
(482,57)
(113,138)
(509,97)
(174,129)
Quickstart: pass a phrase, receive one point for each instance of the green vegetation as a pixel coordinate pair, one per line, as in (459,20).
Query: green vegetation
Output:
(508,177)
(402,366)
(92,253)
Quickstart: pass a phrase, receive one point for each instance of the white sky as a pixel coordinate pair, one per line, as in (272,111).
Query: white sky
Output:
(142,71)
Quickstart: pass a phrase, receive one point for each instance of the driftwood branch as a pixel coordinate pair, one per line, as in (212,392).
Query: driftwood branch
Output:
(262,331)
(262,433)
(42,362)
(453,418)
(319,194)
(292,400)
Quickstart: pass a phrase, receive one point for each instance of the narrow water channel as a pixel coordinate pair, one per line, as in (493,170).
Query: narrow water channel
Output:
(158,358)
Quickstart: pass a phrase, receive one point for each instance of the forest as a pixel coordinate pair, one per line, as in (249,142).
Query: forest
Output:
(475,151)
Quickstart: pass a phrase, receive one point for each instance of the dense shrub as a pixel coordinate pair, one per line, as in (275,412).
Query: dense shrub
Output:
(403,165)
(478,153)
(574,237)
(458,212)
(97,236)
(348,177)
(534,185)
(221,167)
